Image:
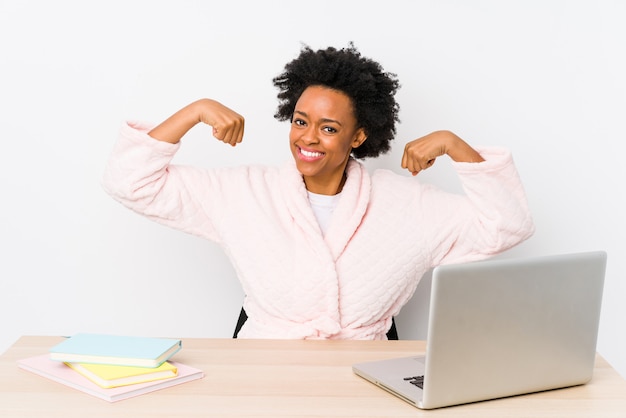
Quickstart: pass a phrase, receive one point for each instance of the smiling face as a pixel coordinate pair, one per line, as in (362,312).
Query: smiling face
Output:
(323,133)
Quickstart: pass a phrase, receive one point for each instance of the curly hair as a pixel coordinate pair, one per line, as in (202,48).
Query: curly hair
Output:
(363,80)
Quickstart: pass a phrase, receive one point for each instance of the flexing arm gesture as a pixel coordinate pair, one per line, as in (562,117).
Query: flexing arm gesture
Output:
(421,153)
(227,125)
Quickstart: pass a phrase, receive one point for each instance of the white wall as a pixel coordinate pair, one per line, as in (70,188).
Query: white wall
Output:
(544,78)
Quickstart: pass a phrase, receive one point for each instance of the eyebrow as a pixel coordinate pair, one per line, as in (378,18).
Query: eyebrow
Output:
(324,120)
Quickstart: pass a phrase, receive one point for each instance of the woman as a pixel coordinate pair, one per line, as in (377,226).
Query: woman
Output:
(323,249)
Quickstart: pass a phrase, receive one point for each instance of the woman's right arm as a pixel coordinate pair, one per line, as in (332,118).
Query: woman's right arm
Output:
(228,126)
(139,175)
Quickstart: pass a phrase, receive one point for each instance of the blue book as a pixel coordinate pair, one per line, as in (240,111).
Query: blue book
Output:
(115,349)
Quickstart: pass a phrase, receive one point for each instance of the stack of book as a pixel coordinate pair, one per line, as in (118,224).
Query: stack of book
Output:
(113,367)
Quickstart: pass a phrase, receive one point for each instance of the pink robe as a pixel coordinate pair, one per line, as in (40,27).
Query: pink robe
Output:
(385,233)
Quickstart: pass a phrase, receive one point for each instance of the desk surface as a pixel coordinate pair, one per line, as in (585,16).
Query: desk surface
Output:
(287,378)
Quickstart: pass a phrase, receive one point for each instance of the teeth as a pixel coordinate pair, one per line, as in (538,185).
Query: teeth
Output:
(311,154)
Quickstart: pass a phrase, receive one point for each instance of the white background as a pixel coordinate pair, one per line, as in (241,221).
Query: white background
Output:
(543,78)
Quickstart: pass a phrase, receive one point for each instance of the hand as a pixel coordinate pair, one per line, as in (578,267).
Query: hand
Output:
(228,125)
(421,153)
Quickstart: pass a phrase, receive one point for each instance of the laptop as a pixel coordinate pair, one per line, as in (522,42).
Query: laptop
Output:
(501,328)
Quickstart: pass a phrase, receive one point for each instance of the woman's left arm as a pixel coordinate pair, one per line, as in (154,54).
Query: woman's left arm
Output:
(421,153)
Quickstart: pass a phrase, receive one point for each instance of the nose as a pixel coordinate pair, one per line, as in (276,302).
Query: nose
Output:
(309,136)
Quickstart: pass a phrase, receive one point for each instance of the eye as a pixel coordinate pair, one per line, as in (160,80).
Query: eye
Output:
(299,122)
(329,129)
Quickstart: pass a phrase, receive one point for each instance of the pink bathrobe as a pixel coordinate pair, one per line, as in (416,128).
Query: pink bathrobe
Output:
(385,233)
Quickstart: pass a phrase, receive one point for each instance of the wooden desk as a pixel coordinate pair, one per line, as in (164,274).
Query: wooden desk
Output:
(268,378)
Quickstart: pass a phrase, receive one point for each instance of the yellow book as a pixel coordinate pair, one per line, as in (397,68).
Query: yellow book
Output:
(110,376)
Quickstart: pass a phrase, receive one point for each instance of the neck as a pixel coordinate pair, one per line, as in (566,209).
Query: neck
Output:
(326,188)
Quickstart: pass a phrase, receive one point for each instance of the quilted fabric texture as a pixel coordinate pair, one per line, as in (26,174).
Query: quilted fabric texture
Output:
(386,232)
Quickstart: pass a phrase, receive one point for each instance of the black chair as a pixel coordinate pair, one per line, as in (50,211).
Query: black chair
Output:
(392,334)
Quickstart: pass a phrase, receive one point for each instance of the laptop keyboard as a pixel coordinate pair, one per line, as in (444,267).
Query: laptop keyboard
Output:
(416,380)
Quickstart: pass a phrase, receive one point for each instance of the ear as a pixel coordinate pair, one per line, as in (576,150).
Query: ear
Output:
(359,137)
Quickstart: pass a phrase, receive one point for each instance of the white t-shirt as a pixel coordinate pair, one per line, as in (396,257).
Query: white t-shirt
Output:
(323,207)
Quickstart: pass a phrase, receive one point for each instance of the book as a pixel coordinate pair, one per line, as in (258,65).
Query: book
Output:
(117,350)
(110,376)
(61,373)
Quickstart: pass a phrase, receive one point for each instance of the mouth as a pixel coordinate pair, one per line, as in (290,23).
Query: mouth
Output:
(309,155)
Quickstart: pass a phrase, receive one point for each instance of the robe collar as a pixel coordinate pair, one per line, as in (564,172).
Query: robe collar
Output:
(348,214)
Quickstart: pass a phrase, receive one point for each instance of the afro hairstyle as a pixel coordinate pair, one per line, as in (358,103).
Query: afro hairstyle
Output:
(363,80)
